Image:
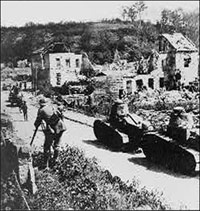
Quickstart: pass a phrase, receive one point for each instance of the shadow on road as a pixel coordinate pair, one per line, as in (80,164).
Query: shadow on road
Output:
(144,162)
(99,145)
(158,168)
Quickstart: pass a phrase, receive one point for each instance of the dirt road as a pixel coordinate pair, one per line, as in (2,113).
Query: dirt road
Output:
(181,192)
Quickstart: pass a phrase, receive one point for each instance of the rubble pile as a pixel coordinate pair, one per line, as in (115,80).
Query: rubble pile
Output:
(159,119)
(164,100)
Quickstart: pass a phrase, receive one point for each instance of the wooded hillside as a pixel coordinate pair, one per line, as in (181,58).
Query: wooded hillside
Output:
(98,39)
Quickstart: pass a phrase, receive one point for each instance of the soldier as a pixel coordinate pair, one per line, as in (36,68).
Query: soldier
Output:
(53,130)
(20,101)
(20,85)
(180,125)
(90,103)
(24,108)
(25,85)
(121,120)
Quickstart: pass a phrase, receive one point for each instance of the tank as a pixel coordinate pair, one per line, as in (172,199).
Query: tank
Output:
(15,99)
(162,149)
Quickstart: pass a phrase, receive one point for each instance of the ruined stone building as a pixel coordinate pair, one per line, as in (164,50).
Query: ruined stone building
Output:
(125,76)
(175,64)
(53,65)
(179,59)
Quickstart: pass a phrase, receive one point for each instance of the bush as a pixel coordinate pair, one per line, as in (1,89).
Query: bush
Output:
(10,196)
(78,182)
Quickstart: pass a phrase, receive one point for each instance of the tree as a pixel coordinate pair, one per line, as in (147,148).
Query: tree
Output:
(140,7)
(129,13)
(191,20)
(180,21)
(134,11)
(172,21)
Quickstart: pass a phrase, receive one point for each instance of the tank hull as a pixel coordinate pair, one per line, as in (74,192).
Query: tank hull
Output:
(107,135)
(166,152)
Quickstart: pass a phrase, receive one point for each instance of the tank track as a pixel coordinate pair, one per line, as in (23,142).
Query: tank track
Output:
(107,135)
(162,150)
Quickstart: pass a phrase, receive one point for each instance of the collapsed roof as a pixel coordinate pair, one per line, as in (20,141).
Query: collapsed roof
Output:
(180,43)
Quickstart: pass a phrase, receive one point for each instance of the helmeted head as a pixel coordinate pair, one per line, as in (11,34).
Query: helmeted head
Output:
(42,102)
(120,108)
(60,106)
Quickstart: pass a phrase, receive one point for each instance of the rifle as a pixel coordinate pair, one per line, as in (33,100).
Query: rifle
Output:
(43,126)
(34,135)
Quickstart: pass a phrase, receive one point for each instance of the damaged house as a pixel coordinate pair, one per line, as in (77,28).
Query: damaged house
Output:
(53,66)
(179,59)
(133,76)
(175,64)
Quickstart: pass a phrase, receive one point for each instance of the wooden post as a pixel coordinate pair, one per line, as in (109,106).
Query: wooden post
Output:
(36,80)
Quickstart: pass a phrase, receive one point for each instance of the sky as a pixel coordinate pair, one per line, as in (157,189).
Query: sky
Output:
(17,13)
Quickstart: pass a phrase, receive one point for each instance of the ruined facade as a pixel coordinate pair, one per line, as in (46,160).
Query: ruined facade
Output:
(179,59)
(132,76)
(154,80)
(176,64)
(129,81)
(53,65)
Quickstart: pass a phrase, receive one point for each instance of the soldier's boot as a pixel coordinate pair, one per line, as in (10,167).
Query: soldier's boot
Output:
(46,160)
(56,152)
(55,156)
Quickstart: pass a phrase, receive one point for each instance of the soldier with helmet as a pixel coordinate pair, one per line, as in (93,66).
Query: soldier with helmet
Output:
(121,120)
(180,124)
(53,129)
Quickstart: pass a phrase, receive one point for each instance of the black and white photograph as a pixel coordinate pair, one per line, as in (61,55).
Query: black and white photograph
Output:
(100,105)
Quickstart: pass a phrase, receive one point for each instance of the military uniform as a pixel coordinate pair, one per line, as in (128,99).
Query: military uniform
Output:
(121,120)
(180,125)
(53,128)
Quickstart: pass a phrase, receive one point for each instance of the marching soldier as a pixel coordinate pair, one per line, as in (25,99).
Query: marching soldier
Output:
(53,129)
(24,109)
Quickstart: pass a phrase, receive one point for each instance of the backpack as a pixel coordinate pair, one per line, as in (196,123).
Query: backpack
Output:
(54,119)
